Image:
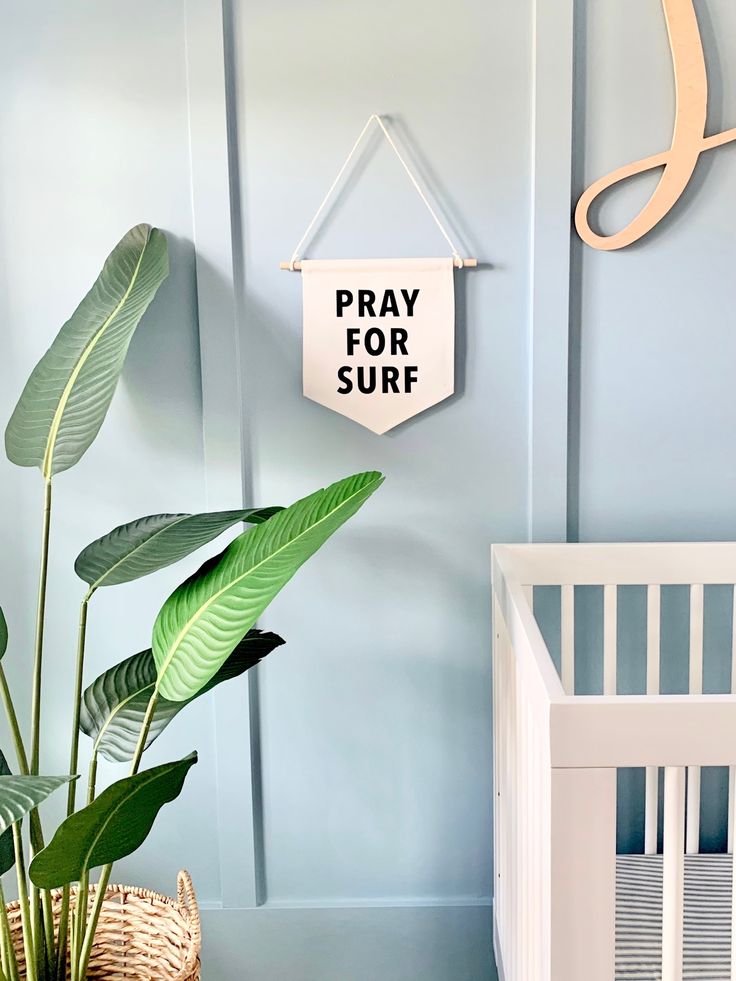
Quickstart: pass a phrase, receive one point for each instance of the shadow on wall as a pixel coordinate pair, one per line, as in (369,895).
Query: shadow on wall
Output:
(162,374)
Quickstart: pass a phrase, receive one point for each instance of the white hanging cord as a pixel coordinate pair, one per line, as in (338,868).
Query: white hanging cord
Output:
(295,255)
(420,192)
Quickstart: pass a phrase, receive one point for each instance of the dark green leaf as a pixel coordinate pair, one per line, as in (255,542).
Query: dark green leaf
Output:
(203,620)
(3,635)
(148,544)
(7,851)
(69,391)
(114,705)
(111,827)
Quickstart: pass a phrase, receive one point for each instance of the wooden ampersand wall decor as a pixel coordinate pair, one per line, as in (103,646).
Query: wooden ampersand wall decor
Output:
(688,138)
(379,334)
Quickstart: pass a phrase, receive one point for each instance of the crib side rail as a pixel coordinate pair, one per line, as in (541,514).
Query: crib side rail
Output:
(582,740)
(513,602)
(525,685)
(522,814)
(662,563)
(643,731)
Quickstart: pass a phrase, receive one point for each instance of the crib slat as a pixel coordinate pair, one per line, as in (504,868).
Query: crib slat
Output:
(696,688)
(693,810)
(567,623)
(733,644)
(651,807)
(732,770)
(673,885)
(731,808)
(653,638)
(651,810)
(610,634)
(696,640)
(731,829)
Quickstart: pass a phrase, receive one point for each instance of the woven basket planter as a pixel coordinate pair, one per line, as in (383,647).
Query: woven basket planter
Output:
(140,935)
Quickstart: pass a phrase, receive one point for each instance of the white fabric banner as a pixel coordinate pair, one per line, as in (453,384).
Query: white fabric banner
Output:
(379,337)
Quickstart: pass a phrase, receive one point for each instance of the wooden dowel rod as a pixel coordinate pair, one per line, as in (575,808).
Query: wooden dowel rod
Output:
(470,263)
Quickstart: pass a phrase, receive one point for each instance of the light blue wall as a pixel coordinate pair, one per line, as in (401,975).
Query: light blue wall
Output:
(95,138)
(654,323)
(652,379)
(375,718)
(375,731)
(371,793)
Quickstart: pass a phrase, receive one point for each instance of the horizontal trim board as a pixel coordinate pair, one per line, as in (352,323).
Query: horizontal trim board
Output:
(360,903)
(446,943)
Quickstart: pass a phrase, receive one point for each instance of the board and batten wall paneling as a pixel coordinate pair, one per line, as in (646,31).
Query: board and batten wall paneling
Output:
(351,780)
(375,718)
(213,168)
(95,137)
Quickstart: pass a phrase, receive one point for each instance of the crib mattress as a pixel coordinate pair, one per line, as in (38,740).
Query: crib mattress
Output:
(707,954)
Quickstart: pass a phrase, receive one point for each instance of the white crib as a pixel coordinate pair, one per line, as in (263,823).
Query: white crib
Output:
(559,915)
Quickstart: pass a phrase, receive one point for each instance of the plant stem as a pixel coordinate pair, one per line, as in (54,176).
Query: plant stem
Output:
(81,917)
(20,868)
(36,830)
(5,946)
(79,681)
(20,752)
(79,923)
(74,966)
(39,945)
(143,737)
(89,934)
(40,620)
(61,946)
(73,764)
(92,779)
(20,749)
(36,715)
(10,962)
(49,935)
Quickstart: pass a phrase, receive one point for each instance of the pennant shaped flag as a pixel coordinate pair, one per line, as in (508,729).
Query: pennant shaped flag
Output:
(379,337)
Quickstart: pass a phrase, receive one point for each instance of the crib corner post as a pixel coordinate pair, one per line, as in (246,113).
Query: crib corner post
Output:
(583,874)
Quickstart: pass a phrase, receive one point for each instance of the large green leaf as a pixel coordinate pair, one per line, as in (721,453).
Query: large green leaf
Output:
(148,544)
(7,849)
(202,621)
(21,794)
(114,705)
(3,635)
(111,827)
(69,391)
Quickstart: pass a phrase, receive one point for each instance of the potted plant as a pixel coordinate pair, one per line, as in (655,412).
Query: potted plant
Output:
(63,924)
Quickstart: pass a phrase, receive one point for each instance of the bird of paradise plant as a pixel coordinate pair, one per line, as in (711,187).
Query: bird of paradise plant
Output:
(204,634)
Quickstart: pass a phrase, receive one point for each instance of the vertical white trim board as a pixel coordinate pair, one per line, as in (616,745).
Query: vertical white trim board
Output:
(552,113)
(239,837)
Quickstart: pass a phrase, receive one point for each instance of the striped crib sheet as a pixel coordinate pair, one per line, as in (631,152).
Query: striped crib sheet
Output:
(707,917)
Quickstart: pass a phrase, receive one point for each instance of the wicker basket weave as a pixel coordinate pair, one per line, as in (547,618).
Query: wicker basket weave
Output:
(140,935)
